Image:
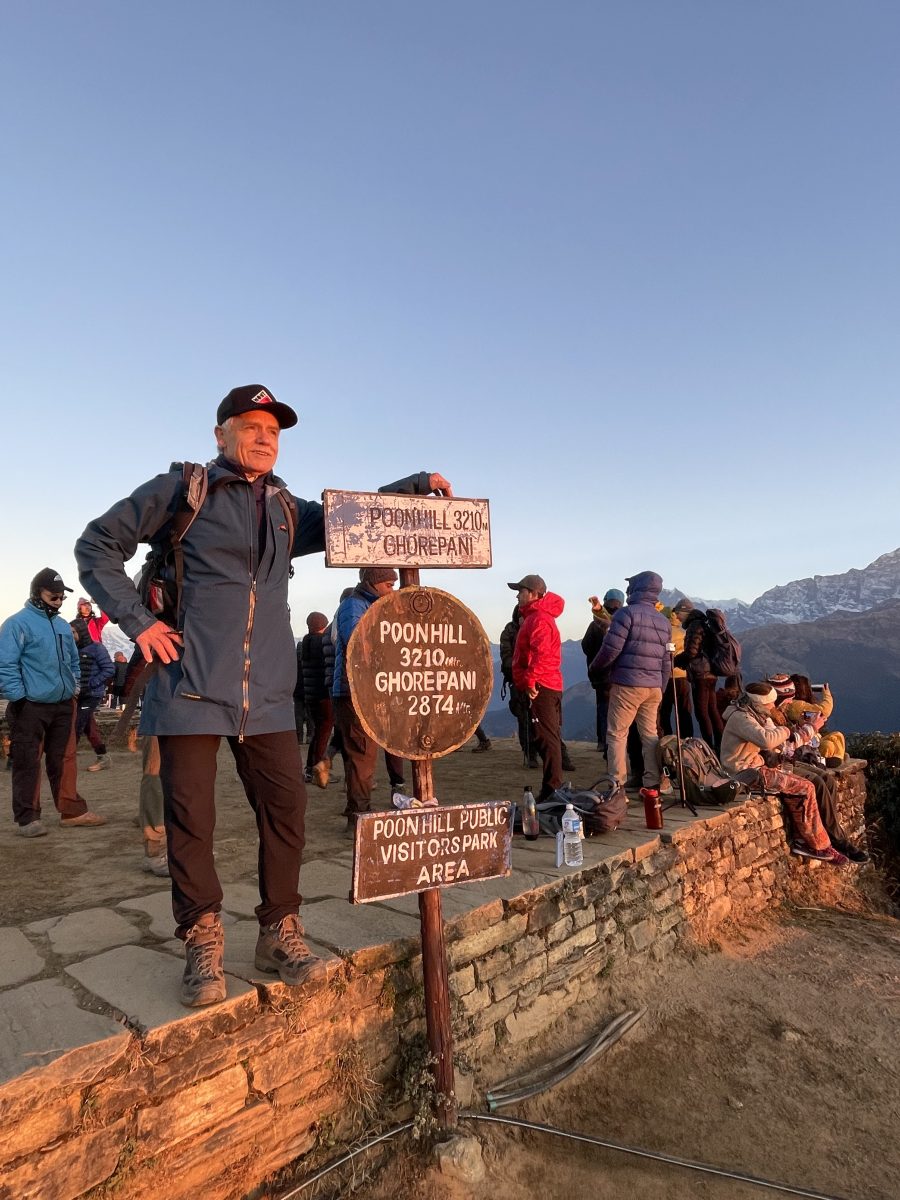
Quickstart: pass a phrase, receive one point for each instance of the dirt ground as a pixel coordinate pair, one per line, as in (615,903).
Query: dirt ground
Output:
(71,869)
(774,1054)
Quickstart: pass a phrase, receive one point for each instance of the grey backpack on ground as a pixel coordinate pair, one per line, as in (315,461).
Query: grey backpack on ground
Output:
(705,779)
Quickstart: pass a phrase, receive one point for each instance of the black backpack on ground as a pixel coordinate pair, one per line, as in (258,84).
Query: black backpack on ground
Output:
(721,646)
(705,779)
(162,574)
(599,813)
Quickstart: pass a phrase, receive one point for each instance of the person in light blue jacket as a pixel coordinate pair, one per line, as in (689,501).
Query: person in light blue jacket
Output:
(39,676)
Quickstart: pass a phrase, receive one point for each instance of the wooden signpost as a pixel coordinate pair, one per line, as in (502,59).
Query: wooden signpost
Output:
(420,673)
(373,529)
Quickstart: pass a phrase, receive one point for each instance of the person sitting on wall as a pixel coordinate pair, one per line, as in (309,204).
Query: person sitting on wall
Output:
(833,746)
(809,764)
(752,753)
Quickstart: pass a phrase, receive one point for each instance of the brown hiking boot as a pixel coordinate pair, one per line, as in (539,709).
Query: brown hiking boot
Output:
(281,949)
(203,981)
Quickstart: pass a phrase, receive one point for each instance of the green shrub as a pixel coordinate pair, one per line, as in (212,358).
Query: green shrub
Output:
(882,753)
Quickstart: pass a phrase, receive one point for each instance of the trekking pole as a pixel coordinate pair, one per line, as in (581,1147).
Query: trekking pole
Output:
(685,803)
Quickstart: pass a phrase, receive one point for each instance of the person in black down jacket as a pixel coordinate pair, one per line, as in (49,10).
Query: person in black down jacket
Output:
(703,682)
(316,656)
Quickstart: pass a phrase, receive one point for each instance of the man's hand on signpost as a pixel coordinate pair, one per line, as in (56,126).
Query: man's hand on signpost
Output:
(160,641)
(439,485)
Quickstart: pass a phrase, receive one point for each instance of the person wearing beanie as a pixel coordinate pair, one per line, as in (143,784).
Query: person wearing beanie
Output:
(750,742)
(358,749)
(695,662)
(39,676)
(601,617)
(224,669)
(679,688)
(634,649)
(793,707)
(88,621)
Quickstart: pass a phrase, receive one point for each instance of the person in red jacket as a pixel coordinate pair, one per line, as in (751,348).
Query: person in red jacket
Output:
(537,673)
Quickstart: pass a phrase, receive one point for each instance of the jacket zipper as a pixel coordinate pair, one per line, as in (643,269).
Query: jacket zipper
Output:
(57,637)
(251,612)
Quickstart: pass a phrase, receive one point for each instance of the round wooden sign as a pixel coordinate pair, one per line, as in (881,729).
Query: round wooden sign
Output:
(420,672)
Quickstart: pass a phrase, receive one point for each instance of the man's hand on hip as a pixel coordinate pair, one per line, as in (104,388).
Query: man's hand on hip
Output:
(160,641)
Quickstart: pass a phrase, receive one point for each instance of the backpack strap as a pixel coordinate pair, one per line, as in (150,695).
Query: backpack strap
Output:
(289,505)
(195,479)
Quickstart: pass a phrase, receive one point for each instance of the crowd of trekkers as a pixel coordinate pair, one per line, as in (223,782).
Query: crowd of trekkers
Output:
(654,669)
(193,620)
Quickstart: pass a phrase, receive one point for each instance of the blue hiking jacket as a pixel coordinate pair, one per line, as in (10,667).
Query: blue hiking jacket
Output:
(347,618)
(635,643)
(38,657)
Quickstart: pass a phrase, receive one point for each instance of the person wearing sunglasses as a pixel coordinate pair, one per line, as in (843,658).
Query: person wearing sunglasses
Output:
(39,676)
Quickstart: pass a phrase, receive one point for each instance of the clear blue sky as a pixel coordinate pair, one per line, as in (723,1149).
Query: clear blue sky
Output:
(628,270)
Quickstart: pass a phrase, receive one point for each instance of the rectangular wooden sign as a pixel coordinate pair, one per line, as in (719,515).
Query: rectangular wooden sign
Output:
(372,529)
(412,849)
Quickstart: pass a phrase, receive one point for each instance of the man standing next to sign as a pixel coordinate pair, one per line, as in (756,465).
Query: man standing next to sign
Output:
(359,750)
(227,668)
(537,672)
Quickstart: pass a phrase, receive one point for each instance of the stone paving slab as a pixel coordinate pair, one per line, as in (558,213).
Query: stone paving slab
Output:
(41,1021)
(348,927)
(158,907)
(89,931)
(18,958)
(143,984)
(327,877)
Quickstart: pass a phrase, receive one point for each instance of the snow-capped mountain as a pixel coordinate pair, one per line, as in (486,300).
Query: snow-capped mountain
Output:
(854,591)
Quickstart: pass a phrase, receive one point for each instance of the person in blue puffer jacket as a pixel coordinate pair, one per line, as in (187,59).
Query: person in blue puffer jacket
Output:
(634,649)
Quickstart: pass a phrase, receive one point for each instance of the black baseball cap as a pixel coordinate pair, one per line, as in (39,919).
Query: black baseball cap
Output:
(533,583)
(48,580)
(254,396)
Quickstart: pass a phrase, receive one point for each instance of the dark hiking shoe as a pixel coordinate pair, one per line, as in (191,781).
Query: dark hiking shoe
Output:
(854,853)
(836,858)
(829,855)
(567,764)
(532,763)
(203,981)
(482,747)
(281,949)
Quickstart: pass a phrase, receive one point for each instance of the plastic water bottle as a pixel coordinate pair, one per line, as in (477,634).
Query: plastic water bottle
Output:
(573,851)
(530,825)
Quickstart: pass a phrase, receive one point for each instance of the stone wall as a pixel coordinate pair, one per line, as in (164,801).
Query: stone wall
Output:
(214,1103)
